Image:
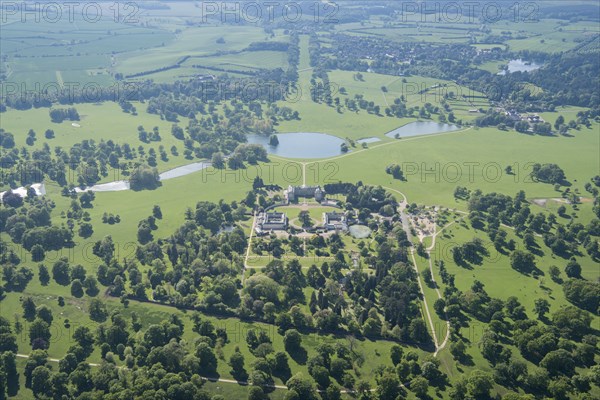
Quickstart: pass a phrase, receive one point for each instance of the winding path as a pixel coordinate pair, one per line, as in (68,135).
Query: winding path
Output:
(406,227)
(432,327)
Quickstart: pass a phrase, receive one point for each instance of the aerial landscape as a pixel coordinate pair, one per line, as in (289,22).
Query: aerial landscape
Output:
(300,200)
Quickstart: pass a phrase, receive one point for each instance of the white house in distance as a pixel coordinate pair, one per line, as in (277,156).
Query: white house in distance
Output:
(271,221)
(335,221)
(293,193)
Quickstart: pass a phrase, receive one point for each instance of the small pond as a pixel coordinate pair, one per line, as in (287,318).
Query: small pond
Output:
(360,231)
(116,186)
(368,140)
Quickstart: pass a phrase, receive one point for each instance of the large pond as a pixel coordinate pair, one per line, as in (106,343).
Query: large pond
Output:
(184,170)
(421,128)
(520,66)
(301,145)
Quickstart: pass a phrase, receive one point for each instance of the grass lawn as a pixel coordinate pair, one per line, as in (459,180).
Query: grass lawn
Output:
(434,165)
(316,213)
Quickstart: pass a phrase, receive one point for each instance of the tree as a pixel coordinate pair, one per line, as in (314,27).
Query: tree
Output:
(292,340)
(39,334)
(280,365)
(479,384)
(560,120)
(76,288)
(218,160)
(208,360)
(388,386)
(571,321)
(28,308)
(522,126)
(61,272)
(419,386)
(558,362)
(85,230)
(45,313)
(439,305)
(302,386)
(541,307)
(84,338)
(43,275)
(8,341)
(573,269)
(396,171)
(144,177)
(304,217)
(104,249)
(417,331)
(548,173)
(560,388)
(522,261)
(321,375)
(554,273)
(337,367)
(458,350)
(372,327)
(144,233)
(87,198)
(584,294)
(396,353)
(97,310)
(40,380)
(12,199)
(236,361)
(157,212)
(256,393)
(90,285)
(38,253)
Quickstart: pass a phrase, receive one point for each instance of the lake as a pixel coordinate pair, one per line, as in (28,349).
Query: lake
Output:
(301,145)
(520,66)
(421,128)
